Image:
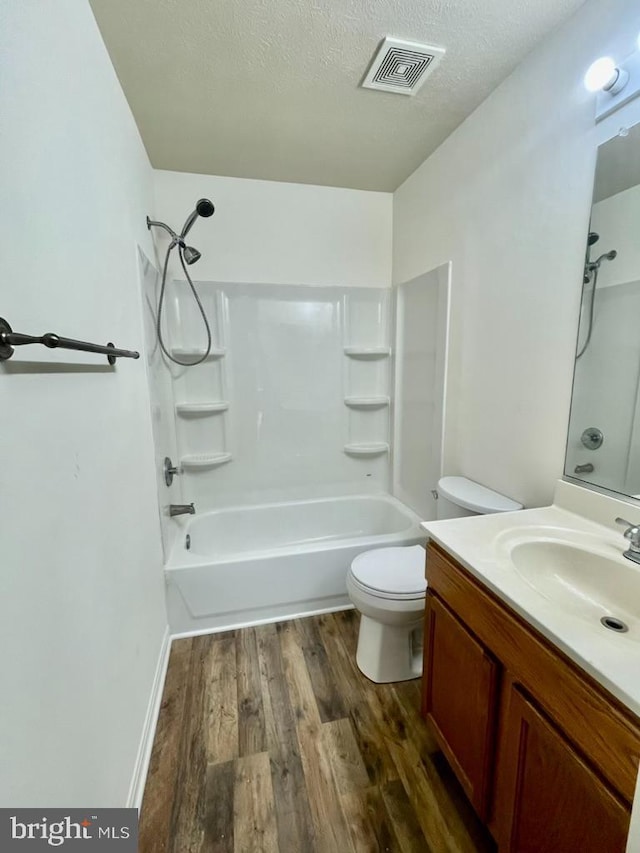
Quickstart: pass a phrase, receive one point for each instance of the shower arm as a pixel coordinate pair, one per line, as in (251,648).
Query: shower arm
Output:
(176,239)
(152,223)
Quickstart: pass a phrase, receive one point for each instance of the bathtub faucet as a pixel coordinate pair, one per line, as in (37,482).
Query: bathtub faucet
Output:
(181,509)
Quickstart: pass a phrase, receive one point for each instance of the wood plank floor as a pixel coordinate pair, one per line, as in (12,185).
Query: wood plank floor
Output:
(271,740)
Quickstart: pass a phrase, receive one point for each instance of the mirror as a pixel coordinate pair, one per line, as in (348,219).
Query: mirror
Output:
(603,445)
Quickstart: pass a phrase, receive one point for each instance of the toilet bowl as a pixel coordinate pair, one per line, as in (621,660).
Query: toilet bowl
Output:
(388,587)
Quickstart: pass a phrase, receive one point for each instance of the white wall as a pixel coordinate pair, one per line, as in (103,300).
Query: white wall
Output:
(82,612)
(279,233)
(507,199)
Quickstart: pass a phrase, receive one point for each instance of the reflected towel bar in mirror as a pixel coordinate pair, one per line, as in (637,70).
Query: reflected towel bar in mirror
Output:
(10,339)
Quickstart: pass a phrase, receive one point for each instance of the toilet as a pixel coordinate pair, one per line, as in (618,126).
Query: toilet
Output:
(387,586)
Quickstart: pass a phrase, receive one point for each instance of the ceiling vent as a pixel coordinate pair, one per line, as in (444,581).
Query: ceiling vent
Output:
(402,66)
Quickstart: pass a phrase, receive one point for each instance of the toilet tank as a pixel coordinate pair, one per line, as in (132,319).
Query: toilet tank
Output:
(459,497)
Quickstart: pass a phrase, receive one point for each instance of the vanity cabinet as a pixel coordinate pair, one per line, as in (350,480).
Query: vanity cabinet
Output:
(547,757)
(460,699)
(552,799)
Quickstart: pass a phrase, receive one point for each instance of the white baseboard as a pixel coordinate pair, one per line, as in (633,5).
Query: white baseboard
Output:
(141,768)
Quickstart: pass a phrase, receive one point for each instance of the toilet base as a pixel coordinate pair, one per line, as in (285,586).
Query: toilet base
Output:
(389,653)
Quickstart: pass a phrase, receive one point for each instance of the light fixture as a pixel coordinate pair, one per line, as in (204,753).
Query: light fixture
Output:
(618,82)
(604,75)
(614,84)
(599,74)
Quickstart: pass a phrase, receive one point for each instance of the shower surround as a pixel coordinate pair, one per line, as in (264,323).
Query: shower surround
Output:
(285,434)
(293,402)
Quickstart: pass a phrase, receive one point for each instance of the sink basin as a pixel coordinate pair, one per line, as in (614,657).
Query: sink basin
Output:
(584,583)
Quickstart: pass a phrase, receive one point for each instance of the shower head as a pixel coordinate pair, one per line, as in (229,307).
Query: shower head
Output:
(592,238)
(608,256)
(204,208)
(592,267)
(190,255)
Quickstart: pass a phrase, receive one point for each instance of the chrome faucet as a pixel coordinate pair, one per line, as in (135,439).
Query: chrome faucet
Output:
(632,533)
(587,468)
(181,509)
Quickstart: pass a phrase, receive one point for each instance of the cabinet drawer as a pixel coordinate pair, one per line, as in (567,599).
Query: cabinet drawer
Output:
(605,732)
(460,697)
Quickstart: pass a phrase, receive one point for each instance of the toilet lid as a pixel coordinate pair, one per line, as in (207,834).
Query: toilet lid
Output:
(395,571)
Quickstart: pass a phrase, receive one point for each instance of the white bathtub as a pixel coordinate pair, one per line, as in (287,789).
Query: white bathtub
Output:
(256,563)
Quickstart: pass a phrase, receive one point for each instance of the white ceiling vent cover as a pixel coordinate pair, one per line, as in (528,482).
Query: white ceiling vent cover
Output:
(402,66)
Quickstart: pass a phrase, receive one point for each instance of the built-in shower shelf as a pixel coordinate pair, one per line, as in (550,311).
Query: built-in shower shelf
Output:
(370,448)
(205,460)
(195,354)
(366,402)
(367,352)
(211,408)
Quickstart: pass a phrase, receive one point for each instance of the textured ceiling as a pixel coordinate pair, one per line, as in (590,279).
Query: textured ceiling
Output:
(270,88)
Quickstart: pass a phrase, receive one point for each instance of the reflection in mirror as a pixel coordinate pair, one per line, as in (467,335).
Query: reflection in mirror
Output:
(603,446)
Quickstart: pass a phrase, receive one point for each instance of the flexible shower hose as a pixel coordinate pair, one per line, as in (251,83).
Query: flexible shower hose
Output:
(161,303)
(591,309)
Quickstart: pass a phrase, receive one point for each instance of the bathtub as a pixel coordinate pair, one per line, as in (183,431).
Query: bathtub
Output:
(251,564)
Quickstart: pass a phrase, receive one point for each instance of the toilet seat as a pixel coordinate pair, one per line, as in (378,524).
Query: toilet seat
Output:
(391,573)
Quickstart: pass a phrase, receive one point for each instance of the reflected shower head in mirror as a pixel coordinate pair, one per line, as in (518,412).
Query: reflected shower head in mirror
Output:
(591,269)
(188,256)
(593,266)
(592,238)
(606,256)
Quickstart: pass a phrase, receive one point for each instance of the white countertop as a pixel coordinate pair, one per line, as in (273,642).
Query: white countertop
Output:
(478,543)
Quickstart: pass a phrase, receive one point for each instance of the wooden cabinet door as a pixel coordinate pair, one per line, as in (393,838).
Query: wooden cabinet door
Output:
(550,800)
(460,696)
